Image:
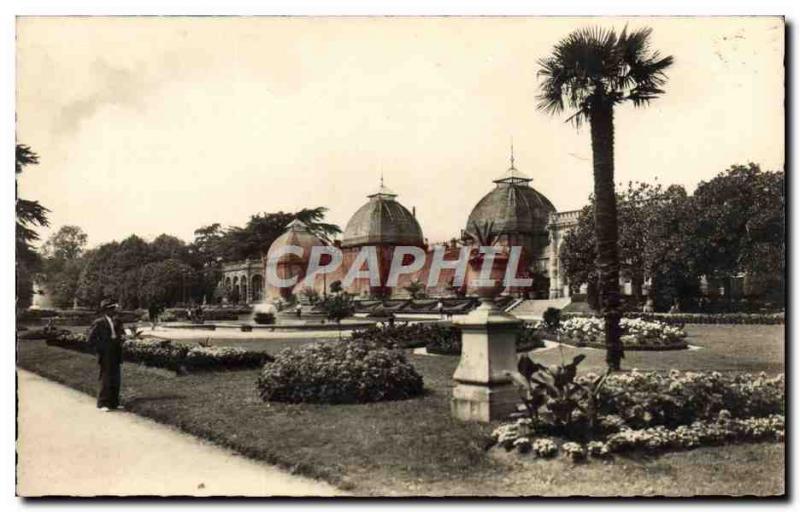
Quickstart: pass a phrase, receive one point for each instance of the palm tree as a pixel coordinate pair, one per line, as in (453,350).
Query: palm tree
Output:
(590,72)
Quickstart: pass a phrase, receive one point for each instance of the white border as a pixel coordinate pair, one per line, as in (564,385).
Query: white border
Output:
(10,9)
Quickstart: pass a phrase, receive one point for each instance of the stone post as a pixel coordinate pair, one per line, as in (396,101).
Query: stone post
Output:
(553,268)
(483,392)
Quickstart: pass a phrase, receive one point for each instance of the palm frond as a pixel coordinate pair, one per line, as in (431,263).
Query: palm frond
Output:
(594,66)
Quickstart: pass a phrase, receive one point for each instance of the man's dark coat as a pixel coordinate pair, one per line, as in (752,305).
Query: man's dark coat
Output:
(109,357)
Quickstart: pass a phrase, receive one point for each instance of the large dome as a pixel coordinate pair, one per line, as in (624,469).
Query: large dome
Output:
(382,220)
(513,207)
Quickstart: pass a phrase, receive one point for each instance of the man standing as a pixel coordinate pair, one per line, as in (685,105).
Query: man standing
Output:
(105,335)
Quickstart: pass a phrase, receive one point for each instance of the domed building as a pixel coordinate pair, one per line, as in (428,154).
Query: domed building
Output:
(288,265)
(382,221)
(515,214)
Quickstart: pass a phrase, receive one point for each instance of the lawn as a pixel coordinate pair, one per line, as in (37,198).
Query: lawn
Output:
(413,447)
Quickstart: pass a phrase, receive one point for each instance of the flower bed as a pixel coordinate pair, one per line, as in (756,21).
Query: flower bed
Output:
(339,373)
(637,334)
(698,318)
(436,338)
(643,411)
(723,430)
(171,355)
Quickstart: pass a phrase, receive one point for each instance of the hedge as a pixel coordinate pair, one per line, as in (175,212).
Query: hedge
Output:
(436,338)
(698,318)
(171,355)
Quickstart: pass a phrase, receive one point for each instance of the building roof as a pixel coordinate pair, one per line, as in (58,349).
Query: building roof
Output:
(513,206)
(298,234)
(382,220)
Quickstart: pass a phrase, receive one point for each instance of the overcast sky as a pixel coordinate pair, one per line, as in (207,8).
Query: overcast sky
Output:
(162,125)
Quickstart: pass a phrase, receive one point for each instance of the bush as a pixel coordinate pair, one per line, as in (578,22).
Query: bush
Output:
(397,336)
(162,353)
(339,373)
(449,343)
(552,318)
(264,318)
(648,398)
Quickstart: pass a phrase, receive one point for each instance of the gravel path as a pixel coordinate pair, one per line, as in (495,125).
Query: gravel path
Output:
(66,446)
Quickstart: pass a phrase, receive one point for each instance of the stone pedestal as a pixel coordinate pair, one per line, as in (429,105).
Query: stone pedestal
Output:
(483,392)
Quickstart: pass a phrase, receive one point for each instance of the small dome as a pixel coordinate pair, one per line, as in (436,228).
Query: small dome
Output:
(297,234)
(382,220)
(513,207)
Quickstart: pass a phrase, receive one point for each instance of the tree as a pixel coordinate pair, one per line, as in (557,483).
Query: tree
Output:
(337,308)
(638,208)
(740,215)
(29,215)
(591,71)
(68,243)
(63,264)
(164,282)
(168,247)
(253,240)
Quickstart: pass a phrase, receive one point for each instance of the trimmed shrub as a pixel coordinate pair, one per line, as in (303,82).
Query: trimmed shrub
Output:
(264,318)
(339,373)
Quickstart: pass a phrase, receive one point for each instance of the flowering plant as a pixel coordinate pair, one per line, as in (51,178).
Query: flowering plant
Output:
(636,333)
(339,372)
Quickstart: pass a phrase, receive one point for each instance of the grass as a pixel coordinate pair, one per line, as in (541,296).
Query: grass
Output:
(414,447)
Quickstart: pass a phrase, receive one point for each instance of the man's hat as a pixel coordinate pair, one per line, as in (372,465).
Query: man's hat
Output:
(107,304)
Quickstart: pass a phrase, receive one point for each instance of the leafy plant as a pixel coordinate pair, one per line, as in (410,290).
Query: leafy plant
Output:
(416,289)
(337,308)
(552,394)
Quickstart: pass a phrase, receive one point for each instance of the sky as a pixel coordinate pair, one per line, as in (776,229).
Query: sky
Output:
(153,125)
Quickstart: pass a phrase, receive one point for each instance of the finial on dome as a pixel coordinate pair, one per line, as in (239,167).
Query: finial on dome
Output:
(513,176)
(383,192)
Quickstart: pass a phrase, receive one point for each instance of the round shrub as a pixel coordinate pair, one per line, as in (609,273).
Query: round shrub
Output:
(338,373)
(262,318)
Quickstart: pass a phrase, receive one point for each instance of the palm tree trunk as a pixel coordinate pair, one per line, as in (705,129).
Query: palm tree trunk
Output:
(605,222)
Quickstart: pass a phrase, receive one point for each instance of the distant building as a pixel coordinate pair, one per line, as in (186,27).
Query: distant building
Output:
(513,213)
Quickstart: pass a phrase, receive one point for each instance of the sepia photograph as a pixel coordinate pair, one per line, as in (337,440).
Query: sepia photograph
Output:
(400,256)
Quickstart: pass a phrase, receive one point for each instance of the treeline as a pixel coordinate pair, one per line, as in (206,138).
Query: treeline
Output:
(732,225)
(166,271)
